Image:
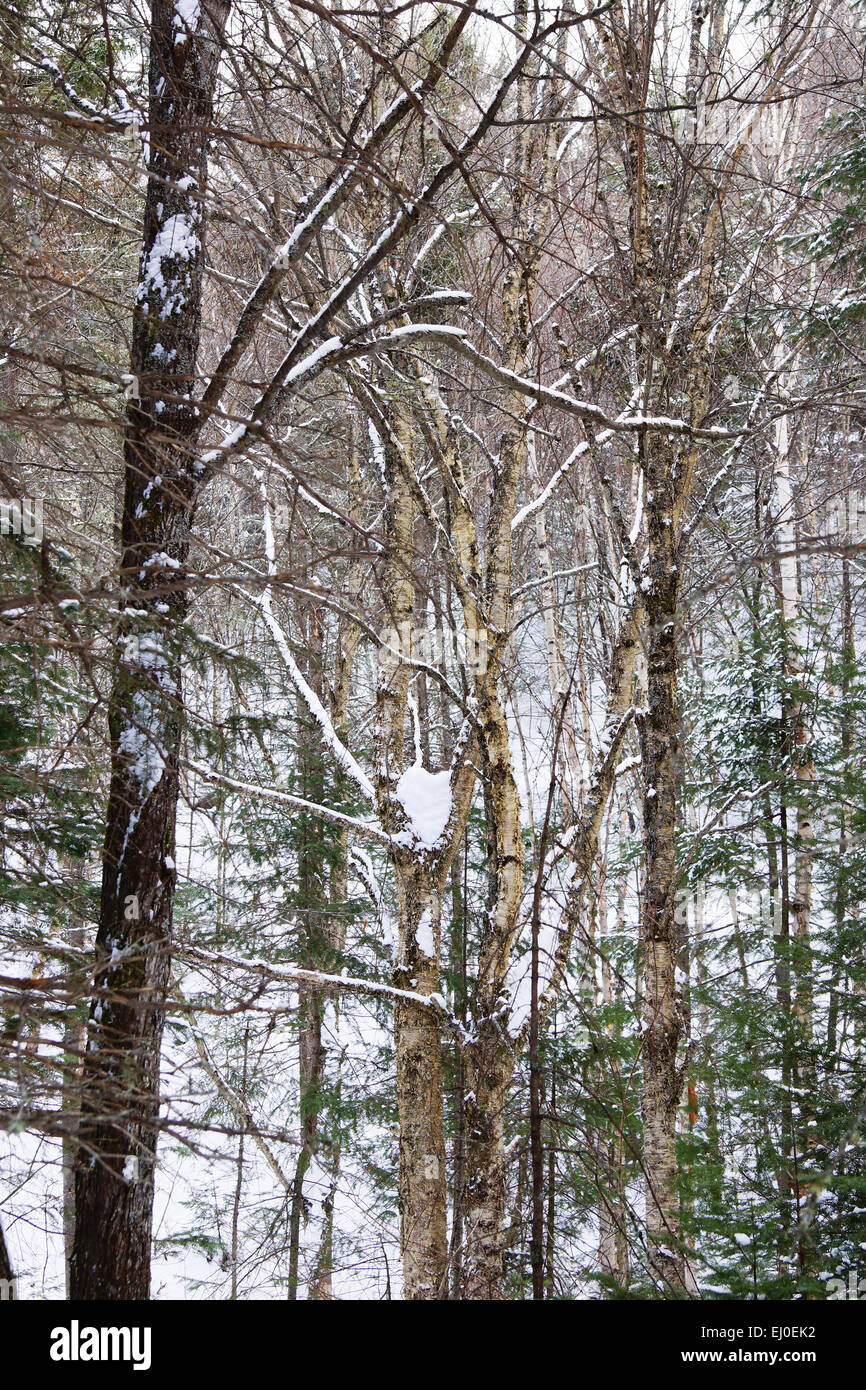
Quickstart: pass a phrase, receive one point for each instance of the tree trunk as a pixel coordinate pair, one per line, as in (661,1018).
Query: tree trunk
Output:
(422,1187)
(8,1289)
(311,910)
(311,1071)
(420,882)
(490,1057)
(117,1137)
(612,1230)
(798,751)
(73,1041)
(662,1025)
(459,896)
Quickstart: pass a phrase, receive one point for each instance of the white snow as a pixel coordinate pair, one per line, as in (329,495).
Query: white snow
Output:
(312,359)
(148,764)
(186,17)
(176,240)
(424,936)
(426,799)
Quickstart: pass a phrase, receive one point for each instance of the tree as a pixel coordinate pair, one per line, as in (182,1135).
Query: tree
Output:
(120,1081)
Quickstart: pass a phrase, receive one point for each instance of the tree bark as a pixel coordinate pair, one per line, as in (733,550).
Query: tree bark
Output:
(117,1138)
(7,1273)
(73,1041)
(311,909)
(662,1023)
(420,882)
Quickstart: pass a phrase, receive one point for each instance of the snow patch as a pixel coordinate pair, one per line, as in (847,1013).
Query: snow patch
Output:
(176,240)
(424,936)
(186,17)
(426,799)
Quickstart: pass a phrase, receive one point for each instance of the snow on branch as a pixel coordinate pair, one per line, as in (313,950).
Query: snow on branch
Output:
(372,830)
(263,602)
(585,410)
(318,979)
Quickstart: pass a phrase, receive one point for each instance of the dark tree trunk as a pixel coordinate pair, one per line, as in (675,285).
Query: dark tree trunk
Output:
(313,942)
(7,1274)
(120,1103)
